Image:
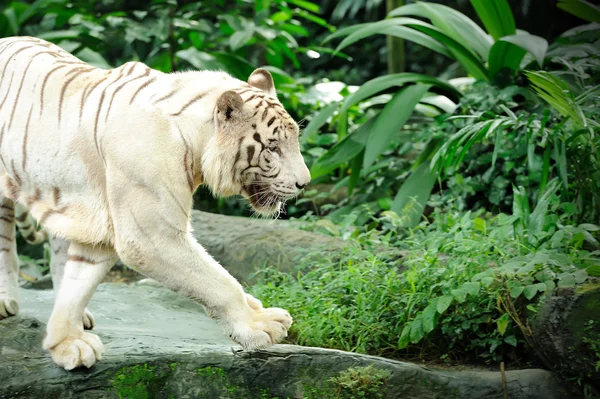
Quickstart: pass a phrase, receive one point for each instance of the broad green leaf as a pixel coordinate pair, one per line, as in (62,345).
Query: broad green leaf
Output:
(462,54)
(443,303)
(496,16)
(430,316)
(393,27)
(460,295)
(404,339)
(93,58)
(240,38)
(452,23)
(237,66)
(502,323)
(58,35)
(382,83)
(589,227)
(414,194)
(516,291)
(307,5)
(566,280)
(531,290)
(389,122)
(511,340)
(537,46)
(355,165)
(319,119)
(471,288)
(504,55)
(343,151)
(580,276)
(508,51)
(199,59)
(581,8)
(12,19)
(416,329)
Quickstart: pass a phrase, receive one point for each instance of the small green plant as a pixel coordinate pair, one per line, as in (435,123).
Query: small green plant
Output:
(593,343)
(361,382)
(138,382)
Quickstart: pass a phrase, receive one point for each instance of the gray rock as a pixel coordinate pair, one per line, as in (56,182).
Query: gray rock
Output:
(245,245)
(566,333)
(159,344)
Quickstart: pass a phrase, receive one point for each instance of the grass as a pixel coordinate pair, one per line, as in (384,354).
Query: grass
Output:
(461,293)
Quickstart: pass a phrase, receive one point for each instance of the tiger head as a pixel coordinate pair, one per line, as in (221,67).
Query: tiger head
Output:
(256,151)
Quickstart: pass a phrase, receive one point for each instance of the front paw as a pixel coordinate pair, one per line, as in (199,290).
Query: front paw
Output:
(76,351)
(265,326)
(8,307)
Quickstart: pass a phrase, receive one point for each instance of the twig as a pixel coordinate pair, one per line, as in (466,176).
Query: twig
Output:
(503,380)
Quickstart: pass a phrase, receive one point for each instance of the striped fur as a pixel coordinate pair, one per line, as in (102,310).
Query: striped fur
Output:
(28,226)
(108,160)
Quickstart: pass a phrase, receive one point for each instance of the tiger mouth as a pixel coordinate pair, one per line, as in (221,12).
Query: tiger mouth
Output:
(261,197)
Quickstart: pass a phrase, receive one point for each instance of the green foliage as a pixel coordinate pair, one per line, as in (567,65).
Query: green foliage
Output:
(167,36)
(460,292)
(361,382)
(495,56)
(582,9)
(454,35)
(139,381)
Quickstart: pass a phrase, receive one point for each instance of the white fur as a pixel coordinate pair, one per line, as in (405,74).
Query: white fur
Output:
(125,181)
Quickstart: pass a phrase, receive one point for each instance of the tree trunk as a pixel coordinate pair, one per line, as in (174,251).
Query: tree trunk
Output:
(395,45)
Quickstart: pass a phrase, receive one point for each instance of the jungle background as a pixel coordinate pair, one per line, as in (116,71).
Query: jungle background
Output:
(461,134)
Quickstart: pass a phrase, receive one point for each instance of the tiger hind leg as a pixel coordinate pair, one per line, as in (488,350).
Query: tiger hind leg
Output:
(68,344)
(9,261)
(58,260)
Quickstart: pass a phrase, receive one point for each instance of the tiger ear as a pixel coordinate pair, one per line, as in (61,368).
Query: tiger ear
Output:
(229,105)
(262,79)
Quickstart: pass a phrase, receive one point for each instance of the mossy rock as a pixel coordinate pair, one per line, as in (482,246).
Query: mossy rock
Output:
(161,345)
(567,333)
(244,246)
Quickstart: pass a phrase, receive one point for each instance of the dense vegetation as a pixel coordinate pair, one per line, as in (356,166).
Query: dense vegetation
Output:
(478,165)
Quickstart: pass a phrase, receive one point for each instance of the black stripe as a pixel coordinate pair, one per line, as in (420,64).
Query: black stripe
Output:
(198,97)
(250,151)
(44,86)
(142,87)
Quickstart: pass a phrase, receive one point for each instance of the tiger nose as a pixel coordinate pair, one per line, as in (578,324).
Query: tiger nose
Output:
(300,186)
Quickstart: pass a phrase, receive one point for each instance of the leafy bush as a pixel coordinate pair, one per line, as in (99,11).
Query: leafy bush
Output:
(461,291)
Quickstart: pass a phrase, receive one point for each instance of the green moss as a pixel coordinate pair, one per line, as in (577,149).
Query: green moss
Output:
(361,382)
(140,381)
(217,383)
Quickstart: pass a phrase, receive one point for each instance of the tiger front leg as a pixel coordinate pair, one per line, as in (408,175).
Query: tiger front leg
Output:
(9,261)
(181,264)
(67,343)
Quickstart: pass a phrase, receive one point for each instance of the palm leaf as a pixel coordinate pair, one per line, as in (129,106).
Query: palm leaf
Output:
(581,8)
(496,16)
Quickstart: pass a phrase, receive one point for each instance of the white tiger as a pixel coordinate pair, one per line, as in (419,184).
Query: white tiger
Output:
(109,159)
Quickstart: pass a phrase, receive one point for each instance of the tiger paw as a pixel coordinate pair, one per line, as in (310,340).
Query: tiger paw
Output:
(264,327)
(88,320)
(8,307)
(72,352)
